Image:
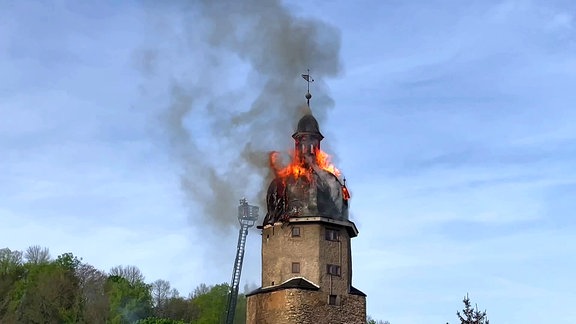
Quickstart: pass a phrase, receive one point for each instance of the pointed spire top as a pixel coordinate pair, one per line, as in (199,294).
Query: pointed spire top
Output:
(308,79)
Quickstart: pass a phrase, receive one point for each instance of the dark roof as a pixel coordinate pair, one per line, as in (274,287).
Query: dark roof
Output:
(298,283)
(354,291)
(308,125)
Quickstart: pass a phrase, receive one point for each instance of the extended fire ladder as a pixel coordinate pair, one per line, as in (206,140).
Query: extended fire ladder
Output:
(247,216)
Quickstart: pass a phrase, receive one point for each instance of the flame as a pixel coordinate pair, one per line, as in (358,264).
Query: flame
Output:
(323,161)
(345,192)
(298,168)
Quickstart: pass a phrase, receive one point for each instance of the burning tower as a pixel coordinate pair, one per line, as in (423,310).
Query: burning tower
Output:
(306,252)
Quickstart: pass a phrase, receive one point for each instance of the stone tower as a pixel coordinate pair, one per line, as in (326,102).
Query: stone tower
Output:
(306,252)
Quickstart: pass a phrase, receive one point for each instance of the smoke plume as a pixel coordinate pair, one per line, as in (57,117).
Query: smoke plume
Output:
(236,92)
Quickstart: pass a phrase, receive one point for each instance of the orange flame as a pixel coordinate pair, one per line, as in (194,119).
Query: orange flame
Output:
(345,193)
(323,161)
(298,168)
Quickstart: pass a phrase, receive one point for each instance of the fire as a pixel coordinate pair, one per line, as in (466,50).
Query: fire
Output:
(298,168)
(323,161)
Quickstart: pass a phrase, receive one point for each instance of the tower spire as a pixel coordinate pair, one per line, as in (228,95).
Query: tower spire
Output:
(308,79)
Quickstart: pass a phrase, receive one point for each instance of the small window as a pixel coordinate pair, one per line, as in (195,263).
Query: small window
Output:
(295,267)
(332,300)
(295,231)
(333,269)
(332,235)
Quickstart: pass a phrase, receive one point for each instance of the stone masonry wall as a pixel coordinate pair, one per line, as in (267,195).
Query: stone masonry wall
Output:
(280,249)
(296,306)
(311,250)
(337,253)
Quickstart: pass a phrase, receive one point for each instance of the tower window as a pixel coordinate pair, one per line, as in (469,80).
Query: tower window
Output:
(333,269)
(295,267)
(333,300)
(295,231)
(332,235)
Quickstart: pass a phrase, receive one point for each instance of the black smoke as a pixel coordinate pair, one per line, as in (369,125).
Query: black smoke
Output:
(232,72)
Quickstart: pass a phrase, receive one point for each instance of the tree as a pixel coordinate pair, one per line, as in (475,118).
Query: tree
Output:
(370,320)
(37,254)
(200,290)
(129,302)
(11,272)
(212,304)
(160,293)
(9,259)
(178,308)
(95,303)
(154,320)
(68,261)
(65,290)
(240,314)
(46,292)
(471,315)
(130,273)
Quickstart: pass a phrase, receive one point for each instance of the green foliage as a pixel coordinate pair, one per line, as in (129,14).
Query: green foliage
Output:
(154,320)
(128,302)
(65,290)
(471,315)
(212,304)
(68,261)
(9,260)
(240,315)
(179,308)
(44,291)
(11,273)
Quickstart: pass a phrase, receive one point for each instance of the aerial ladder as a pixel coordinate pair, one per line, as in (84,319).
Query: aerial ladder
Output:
(247,216)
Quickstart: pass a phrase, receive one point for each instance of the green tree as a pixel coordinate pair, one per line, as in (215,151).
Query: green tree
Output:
(129,302)
(68,261)
(65,290)
(471,315)
(11,272)
(212,304)
(9,259)
(47,292)
(154,320)
(240,315)
(178,308)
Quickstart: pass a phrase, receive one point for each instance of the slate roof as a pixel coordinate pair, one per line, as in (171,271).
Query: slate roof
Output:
(298,283)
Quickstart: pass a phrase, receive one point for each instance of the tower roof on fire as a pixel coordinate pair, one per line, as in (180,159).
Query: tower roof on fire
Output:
(308,125)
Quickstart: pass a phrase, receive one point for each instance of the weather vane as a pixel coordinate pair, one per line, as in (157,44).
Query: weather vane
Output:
(308,79)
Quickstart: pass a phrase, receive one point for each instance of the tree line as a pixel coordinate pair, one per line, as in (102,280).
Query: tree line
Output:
(35,288)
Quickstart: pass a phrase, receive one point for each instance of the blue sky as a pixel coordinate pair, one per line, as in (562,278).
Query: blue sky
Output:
(453,122)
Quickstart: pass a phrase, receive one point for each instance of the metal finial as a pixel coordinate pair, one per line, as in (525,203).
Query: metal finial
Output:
(308,79)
